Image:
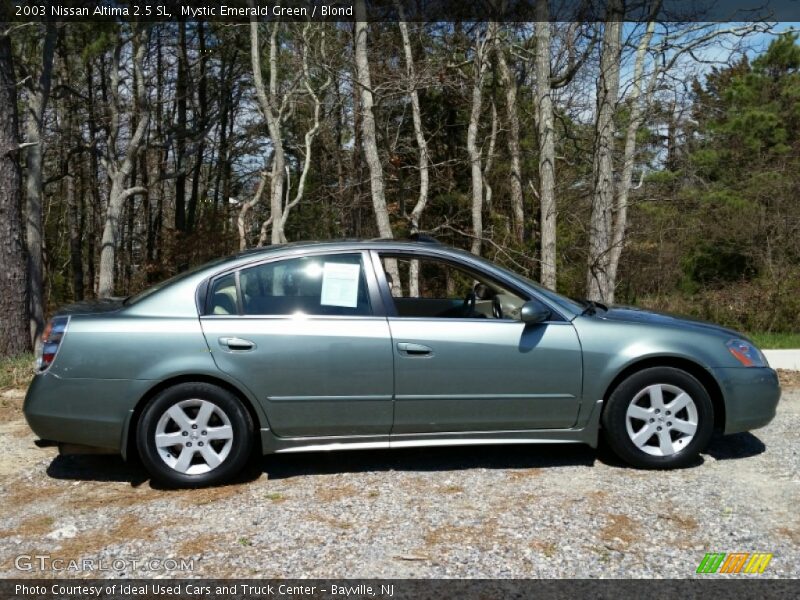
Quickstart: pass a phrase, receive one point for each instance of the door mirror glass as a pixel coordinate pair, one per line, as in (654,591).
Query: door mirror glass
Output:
(534,311)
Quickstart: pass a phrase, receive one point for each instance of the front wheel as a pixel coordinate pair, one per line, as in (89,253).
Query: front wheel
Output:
(660,417)
(194,434)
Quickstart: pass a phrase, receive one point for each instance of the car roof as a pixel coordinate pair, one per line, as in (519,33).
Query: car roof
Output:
(172,298)
(347,242)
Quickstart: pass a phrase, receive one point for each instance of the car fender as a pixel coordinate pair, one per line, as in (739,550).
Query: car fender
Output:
(610,348)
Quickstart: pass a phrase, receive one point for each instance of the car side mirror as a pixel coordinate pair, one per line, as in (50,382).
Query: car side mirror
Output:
(534,311)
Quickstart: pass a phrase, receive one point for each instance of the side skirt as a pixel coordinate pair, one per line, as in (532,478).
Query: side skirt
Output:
(585,435)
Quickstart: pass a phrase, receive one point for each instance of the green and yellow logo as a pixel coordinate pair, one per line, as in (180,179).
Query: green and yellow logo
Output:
(734,562)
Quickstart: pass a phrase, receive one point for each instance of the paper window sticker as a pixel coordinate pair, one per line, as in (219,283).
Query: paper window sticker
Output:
(340,284)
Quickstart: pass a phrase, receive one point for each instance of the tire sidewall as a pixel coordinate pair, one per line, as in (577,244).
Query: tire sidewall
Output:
(241,423)
(615,416)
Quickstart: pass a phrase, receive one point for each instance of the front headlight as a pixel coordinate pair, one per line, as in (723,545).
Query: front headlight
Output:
(746,353)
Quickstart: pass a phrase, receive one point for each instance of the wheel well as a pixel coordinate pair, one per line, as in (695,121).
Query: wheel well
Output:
(697,371)
(167,383)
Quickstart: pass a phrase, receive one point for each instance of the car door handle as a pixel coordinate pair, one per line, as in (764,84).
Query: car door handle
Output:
(234,343)
(409,349)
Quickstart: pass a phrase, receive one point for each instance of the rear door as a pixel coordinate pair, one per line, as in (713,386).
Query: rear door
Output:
(302,335)
(464,366)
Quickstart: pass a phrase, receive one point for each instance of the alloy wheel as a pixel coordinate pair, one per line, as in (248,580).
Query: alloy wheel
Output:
(194,436)
(661,419)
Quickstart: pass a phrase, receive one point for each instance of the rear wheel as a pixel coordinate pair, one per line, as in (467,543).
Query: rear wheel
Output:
(194,434)
(660,417)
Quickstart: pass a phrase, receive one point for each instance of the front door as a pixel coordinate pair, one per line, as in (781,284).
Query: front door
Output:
(301,335)
(465,362)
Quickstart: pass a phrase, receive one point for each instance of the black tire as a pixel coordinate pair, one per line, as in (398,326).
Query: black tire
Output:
(236,456)
(614,419)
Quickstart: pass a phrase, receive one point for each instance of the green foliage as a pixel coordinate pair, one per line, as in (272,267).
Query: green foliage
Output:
(744,161)
(772,340)
(713,263)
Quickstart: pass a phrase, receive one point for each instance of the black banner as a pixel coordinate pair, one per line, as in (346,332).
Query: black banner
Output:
(242,11)
(743,588)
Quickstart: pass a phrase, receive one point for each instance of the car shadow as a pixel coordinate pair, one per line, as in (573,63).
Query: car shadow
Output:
(111,468)
(457,458)
(737,445)
(97,467)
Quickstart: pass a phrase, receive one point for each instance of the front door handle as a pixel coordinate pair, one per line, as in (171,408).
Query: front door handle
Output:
(238,344)
(409,349)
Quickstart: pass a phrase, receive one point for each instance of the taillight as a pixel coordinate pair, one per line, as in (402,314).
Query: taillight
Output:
(51,339)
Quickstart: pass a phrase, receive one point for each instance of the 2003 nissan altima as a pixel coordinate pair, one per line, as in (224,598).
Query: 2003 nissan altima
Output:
(382,344)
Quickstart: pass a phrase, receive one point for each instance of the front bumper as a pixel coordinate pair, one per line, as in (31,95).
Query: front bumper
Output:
(89,412)
(751,397)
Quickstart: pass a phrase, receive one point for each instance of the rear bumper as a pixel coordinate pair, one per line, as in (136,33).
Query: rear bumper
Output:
(751,397)
(89,412)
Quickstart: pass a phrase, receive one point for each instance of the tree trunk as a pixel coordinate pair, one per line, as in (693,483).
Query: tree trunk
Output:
(14,309)
(598,283)
(368,134)
(94,184)
(75,254)
(547,152)
(516,196)
(272,114)
(369,142)
(181,91)
(629,155)
(473,150)
(120,169)
(38,96)
(199,129)
(422,145)
(241,220)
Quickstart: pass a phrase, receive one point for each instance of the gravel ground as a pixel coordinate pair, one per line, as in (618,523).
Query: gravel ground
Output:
(514,511)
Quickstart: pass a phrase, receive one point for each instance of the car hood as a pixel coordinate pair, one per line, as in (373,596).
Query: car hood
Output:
(103,305)
(632,314)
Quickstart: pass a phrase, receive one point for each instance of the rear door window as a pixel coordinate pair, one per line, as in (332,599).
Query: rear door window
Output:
(326,285)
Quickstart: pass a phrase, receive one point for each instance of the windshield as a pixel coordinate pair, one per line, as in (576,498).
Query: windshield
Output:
(174,279)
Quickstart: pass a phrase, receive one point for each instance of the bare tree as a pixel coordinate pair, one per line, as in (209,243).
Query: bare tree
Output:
(38,95)
(369,136)
(545,82)
(480,64)
(637,114)
(597,279)
(276,106)
(612,189)
(547,152)
(273,109)
(119,164)
(313,129)
(370,145)
(509,80)
(422,145)
(248,205)
(14,332)
(667,52)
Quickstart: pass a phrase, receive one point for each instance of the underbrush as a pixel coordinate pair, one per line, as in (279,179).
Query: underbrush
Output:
(772,311)
(16,372)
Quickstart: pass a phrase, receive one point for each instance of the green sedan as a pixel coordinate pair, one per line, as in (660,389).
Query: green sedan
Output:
(382,344)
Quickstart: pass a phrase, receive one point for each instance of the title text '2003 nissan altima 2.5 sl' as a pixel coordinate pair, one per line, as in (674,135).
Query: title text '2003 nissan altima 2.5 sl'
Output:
(382,344)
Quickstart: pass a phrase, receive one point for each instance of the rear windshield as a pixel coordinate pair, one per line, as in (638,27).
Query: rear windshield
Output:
(174,279)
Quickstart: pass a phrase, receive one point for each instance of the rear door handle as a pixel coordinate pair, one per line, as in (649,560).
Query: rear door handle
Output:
(409,349)
(238,344)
